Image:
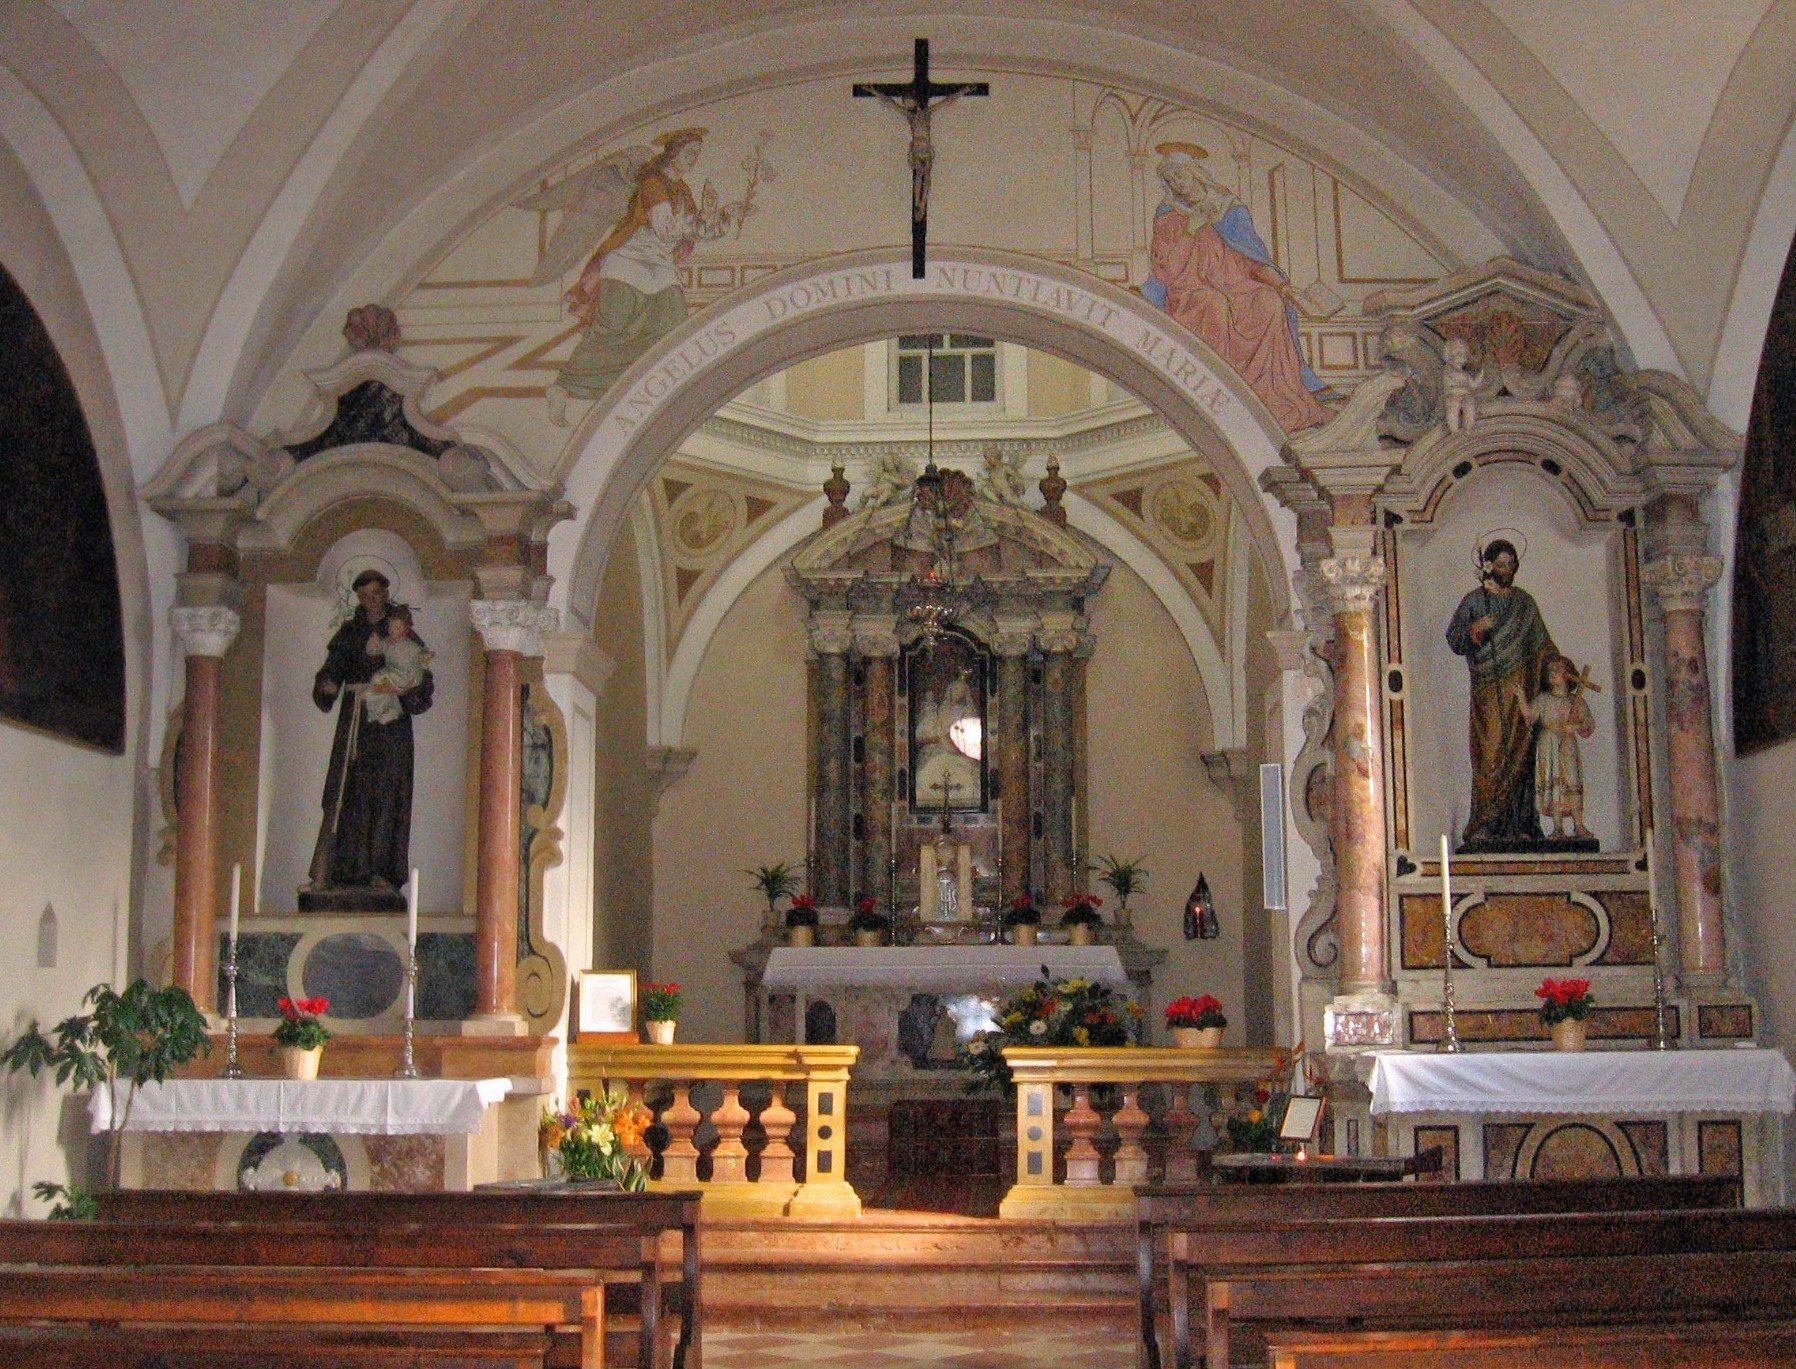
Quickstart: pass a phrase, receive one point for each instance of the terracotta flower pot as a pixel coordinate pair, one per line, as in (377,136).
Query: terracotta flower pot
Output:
(1023,934)
(1079,934)
(1197,1038)
(1568,1034)
(661,1029)
(869,938)
(300,1063)
(801,936)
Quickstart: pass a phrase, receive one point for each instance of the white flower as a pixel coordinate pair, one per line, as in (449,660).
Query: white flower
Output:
(1038,1029)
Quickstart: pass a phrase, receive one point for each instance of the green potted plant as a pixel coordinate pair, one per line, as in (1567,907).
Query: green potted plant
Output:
(1125,877)
(1080,917)
(660,1010)
(1023,918)
(868,924)
(131,1038)
(801,920)
(1564,1006)
(1196,1021)
(301,1036)
(775,882)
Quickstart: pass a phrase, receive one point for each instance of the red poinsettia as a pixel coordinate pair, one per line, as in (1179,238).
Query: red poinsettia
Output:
(1081,908)
(1563,999)
(1203,1011)
(299,1025)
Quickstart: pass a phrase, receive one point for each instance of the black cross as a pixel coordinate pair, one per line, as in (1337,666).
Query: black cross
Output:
(917,99)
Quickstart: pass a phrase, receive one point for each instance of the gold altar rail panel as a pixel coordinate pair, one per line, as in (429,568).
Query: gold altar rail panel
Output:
(1084,1195)
(730,1191)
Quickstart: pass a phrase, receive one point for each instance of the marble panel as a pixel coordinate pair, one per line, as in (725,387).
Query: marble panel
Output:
(445,976)
(261,970)
(359,973)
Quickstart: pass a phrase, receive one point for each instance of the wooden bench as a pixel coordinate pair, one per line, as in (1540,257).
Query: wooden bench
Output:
(1691,1345)
(615,1242)
(1451,1273)
(1194,1207)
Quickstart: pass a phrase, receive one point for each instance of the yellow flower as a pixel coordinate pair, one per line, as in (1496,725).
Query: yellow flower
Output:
(1255,1115)
(1082,1036)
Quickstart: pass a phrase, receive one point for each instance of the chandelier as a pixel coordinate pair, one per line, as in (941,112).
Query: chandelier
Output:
(935,597)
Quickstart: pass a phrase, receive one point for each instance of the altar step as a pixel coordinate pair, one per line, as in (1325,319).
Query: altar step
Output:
(910,1270)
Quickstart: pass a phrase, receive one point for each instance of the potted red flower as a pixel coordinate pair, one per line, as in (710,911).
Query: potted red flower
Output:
(660,1010)
(801,920)
(1080,917)
(1196,1021)
(1564,1004)
(868,924)
(301,1036)
(1023,919)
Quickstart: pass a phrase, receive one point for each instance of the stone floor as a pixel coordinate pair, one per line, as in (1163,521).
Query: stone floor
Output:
(986,1347)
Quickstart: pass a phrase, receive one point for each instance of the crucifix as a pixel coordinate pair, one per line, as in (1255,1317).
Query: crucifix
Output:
(917,99)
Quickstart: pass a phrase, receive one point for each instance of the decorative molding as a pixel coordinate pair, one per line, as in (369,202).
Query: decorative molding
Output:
(668,764)
(575,653)
(1681,582)
(1229,767)
(513,624)
(830,632)
(207,631)
(1352,583)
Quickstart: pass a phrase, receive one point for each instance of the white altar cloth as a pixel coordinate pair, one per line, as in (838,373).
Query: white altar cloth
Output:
(366,1107)
(1656,1083)
(932,969)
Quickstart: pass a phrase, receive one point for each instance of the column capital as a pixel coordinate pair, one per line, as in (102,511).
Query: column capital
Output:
(205,631)
(830,632)
(876,635)
(1351,583)
(513,624)
(1681,582)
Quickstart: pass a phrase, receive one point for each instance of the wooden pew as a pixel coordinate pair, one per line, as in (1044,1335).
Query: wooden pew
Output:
(1193,1207)
(1448,1273)
(617,1236)
(1692,1345)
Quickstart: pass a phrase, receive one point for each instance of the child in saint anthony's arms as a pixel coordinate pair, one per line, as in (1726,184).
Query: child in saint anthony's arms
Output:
(1562,715)
(403,659)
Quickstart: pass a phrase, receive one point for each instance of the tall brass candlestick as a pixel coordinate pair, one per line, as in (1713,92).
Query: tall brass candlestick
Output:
(1452,1032)
(1661,1037)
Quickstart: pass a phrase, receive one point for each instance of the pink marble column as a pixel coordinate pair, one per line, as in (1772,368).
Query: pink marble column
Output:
(204,635)
(511,629)
(1351,585)
(1681,581)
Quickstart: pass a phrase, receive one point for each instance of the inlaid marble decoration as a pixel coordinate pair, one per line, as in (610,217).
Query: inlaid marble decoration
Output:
(359,973)
(261,970)
(445,976)
(311,1163)
(405,1164)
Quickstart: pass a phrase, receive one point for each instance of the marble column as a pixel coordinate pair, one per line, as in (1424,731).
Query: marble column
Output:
(1012,743)
(1351,584)
(1681,579)
(1059,877)
(878,649)
(510,629)
(204,634)
(832,808)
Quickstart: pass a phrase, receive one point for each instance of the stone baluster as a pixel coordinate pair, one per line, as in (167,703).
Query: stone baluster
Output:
(729,1158)
(679,1160)
(1180,1125)
(1130,1121)
(877,644)
(777,1120)
(204,634)
(1082,1122)
(1012,739)
(1364,1013)
(510,629)
(831,814)
(1680,576)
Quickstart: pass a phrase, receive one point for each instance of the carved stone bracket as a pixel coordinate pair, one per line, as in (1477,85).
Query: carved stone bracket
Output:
(1228,767)
(668,764)
(207,631)
(1681,583)
(513,624)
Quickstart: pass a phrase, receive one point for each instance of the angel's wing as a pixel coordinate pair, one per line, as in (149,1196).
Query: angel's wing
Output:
(589,203)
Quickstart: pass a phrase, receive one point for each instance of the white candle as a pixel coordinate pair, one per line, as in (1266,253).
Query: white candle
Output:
(236,897)
(1652,881)
(411,913)
(1447,899)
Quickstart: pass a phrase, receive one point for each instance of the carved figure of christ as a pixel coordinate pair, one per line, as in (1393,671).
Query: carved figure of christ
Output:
(917,100)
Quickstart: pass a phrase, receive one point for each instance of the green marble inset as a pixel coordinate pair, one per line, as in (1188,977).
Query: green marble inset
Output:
(445,976)
(261,971)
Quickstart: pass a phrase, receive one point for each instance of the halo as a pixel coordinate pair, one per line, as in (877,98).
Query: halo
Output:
(680,135)
(1191,150)
(1514,536)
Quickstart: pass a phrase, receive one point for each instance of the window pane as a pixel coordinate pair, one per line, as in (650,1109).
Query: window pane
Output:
(910,379)
(919,342)
(948,379)
(968,340)
(985,377)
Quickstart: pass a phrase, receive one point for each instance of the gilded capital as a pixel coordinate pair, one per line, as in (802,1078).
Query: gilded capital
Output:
(513,624)
(206,631)
(1681,581)
(1351,584)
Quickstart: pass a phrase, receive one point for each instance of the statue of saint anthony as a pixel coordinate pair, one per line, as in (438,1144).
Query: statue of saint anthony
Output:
(363,853)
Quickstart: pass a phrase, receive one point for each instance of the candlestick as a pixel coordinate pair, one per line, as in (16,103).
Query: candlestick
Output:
(1661,1037)
(1451,1043)
(408,1068)
(411,911)
(236,895)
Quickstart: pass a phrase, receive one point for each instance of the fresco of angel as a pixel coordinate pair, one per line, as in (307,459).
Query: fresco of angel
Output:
(628,294)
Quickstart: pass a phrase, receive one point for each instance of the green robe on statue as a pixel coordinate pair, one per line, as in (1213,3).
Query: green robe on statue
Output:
(1512,654)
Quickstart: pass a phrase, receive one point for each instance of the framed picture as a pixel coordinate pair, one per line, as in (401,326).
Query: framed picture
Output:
(1303,1118)
(605,1006)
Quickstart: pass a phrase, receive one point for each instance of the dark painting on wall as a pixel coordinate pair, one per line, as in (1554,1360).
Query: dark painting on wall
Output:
(62,644)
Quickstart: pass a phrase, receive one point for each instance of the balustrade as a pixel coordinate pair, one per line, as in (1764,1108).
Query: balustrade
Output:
(1083,1193)
(741,1183)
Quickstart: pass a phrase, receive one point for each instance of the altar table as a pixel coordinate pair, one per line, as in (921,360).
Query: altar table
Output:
(938,969)
(381,1134)
(1574,1114)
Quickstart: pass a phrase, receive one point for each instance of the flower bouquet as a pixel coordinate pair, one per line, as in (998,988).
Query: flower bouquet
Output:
(1196,1021)
(1564,1005)
(1049,1012)
(591,1140)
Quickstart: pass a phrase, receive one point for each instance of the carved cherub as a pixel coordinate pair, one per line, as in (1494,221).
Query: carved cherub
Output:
(1002,479)
(1459,386)
(891,478)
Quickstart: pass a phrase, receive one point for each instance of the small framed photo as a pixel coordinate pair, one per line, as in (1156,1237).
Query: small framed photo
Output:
(1303,1118)
(605,1006)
